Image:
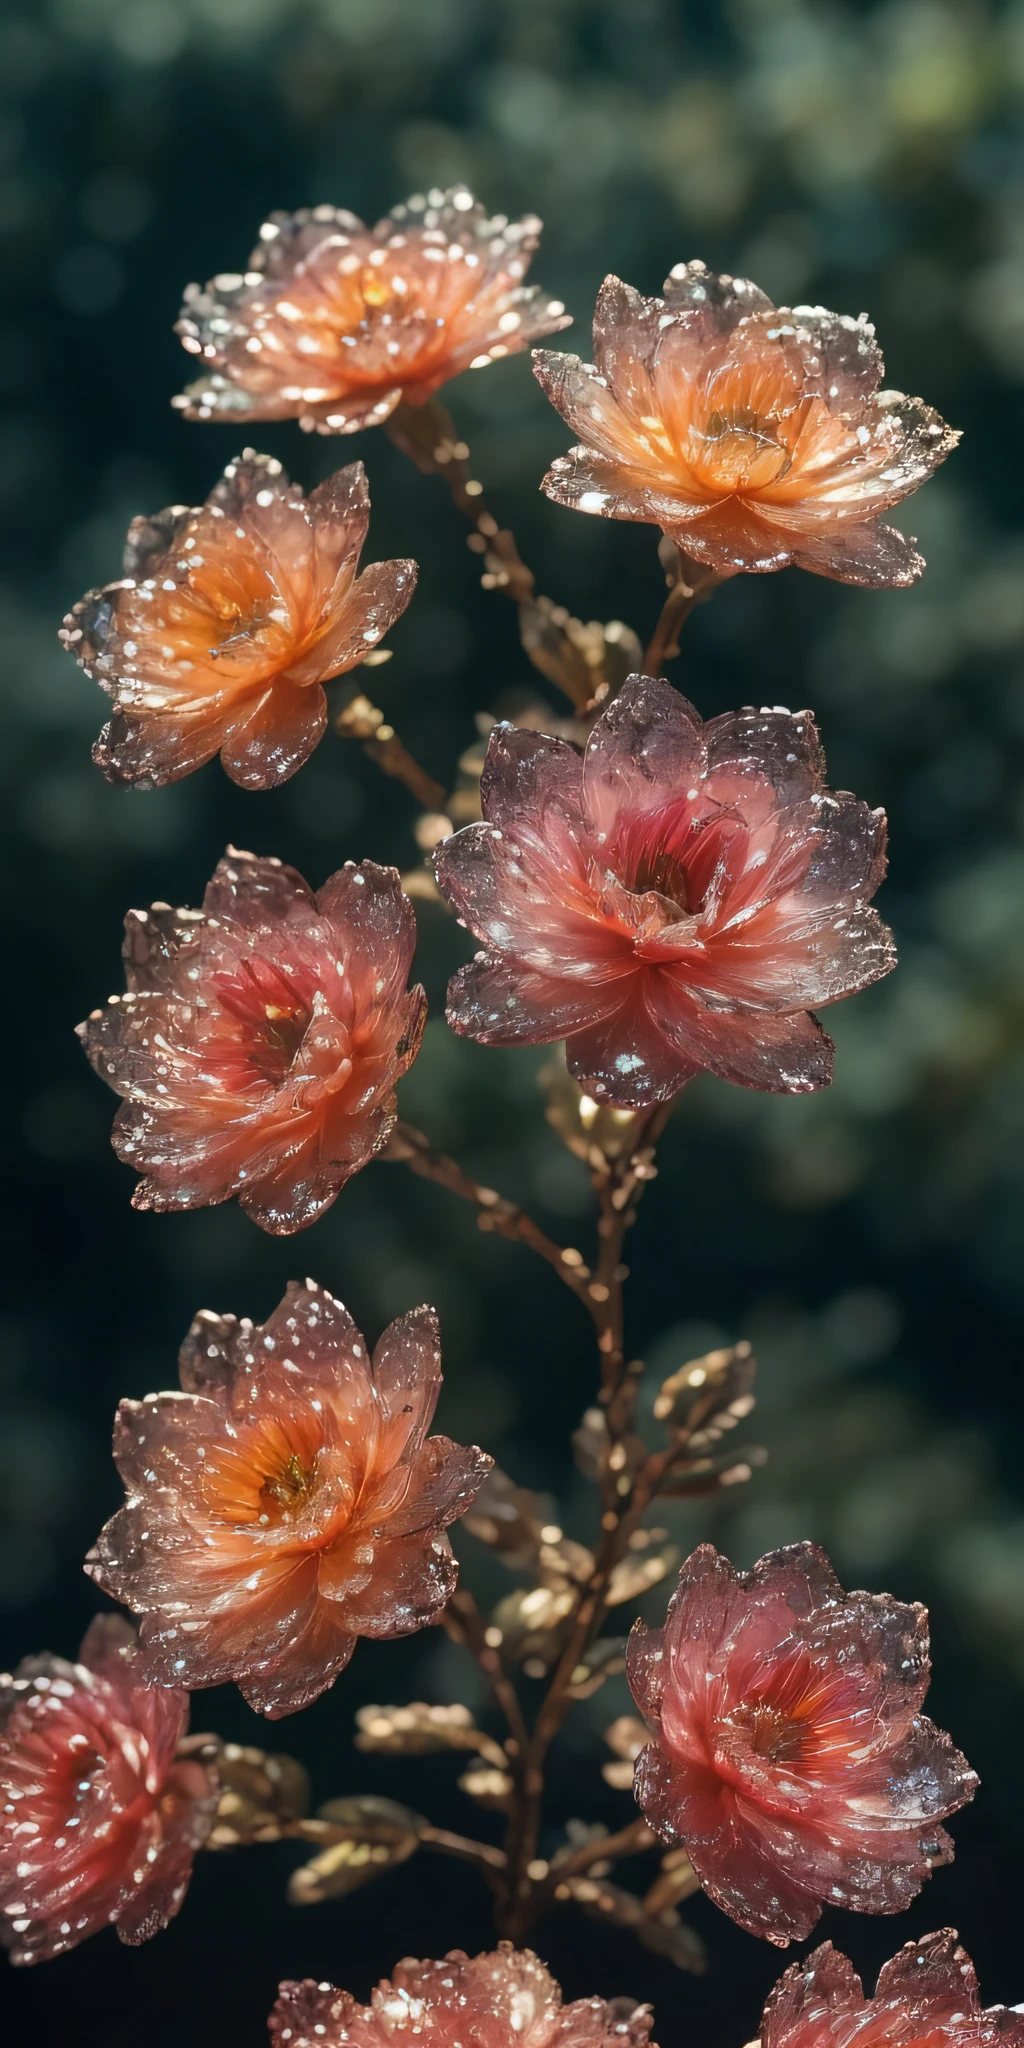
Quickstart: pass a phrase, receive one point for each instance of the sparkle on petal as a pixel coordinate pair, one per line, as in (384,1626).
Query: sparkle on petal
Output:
(287,1501)
(756,437)
(99,1819)
(227,622)
(928,1993)
(335,322)
(678,898)
(259,1040)
(504,1999)
(789,1753)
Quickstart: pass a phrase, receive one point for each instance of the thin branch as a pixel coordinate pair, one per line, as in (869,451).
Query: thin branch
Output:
(495,1213)
(485,1858)
(631,1840)
(428,436)
(361,720)
(466,1625)
(689,586)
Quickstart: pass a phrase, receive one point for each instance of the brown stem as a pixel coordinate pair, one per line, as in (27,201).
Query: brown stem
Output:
(466,1625)
(496,1213)
(486,1859)
(689,586)
(623,1502)
(631,1840)
(428,436)
(362,720)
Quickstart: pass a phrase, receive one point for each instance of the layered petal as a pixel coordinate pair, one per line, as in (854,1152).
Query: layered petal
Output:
(755,437)
(789,1753)
(96,1741)
(259,1043)
(227,622)
(675,903)
(286,1501)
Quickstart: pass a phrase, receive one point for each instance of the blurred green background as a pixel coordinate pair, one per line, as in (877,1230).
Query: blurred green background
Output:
(867,1240)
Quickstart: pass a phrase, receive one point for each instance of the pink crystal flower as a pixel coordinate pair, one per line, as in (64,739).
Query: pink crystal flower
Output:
(676,899)
(334,322)
(100,1818)
(260,1038)
(927,1997)
(756,438)
(287,1502)
(790,1756)
(228,620)
(504,1999)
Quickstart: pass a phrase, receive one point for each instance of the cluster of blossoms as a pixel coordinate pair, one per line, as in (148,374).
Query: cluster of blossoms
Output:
(928,1993)
(669,898)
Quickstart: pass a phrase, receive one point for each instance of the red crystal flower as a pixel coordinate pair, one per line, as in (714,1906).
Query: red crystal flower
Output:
(790,1756)
(228,620)
(99,1817)
(260,1038)
(287,1502)
(927,1997)
(675,900)
(335,322)
(756,438)
(504,1999)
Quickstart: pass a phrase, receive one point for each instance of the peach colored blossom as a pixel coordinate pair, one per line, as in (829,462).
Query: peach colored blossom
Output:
(287,1501)
(334,322)
(504,1999)
(100,1818)
(926,1997)
(755,437)
(228,621)
(676,898)
(789,1752)
(260,1039)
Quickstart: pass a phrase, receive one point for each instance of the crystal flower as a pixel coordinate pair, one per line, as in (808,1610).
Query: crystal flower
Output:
(228,620)
(675,899)
(756,438)
(505,1999)
(288,1501)
(99,1816)
(335,322)
(260,1038)
(790,1756)
(928,1993)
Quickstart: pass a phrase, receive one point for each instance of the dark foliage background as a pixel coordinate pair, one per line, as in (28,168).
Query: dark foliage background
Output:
(867,1240)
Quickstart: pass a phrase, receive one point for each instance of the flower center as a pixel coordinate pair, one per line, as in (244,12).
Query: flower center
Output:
(774,1736)
(273,1009)
(286,1491)
(743,448)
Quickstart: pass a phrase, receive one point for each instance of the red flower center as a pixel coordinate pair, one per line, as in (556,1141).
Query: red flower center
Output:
(676,853)
(273,1007)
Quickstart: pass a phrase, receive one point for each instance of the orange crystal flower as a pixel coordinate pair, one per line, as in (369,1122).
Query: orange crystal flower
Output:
(926,1997)
(754,437)
(100,1812)
(335,322)
(260,1039)
(227,622)
(504,1999)
(287,1502)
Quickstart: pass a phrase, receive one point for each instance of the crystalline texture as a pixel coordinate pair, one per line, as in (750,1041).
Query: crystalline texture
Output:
(287,1501)
(334,322)
(228,621)
(675,900)
(99,1819)
(928,1993)
(755,437)
(505,1999)
(260,1039)
(789,1752)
